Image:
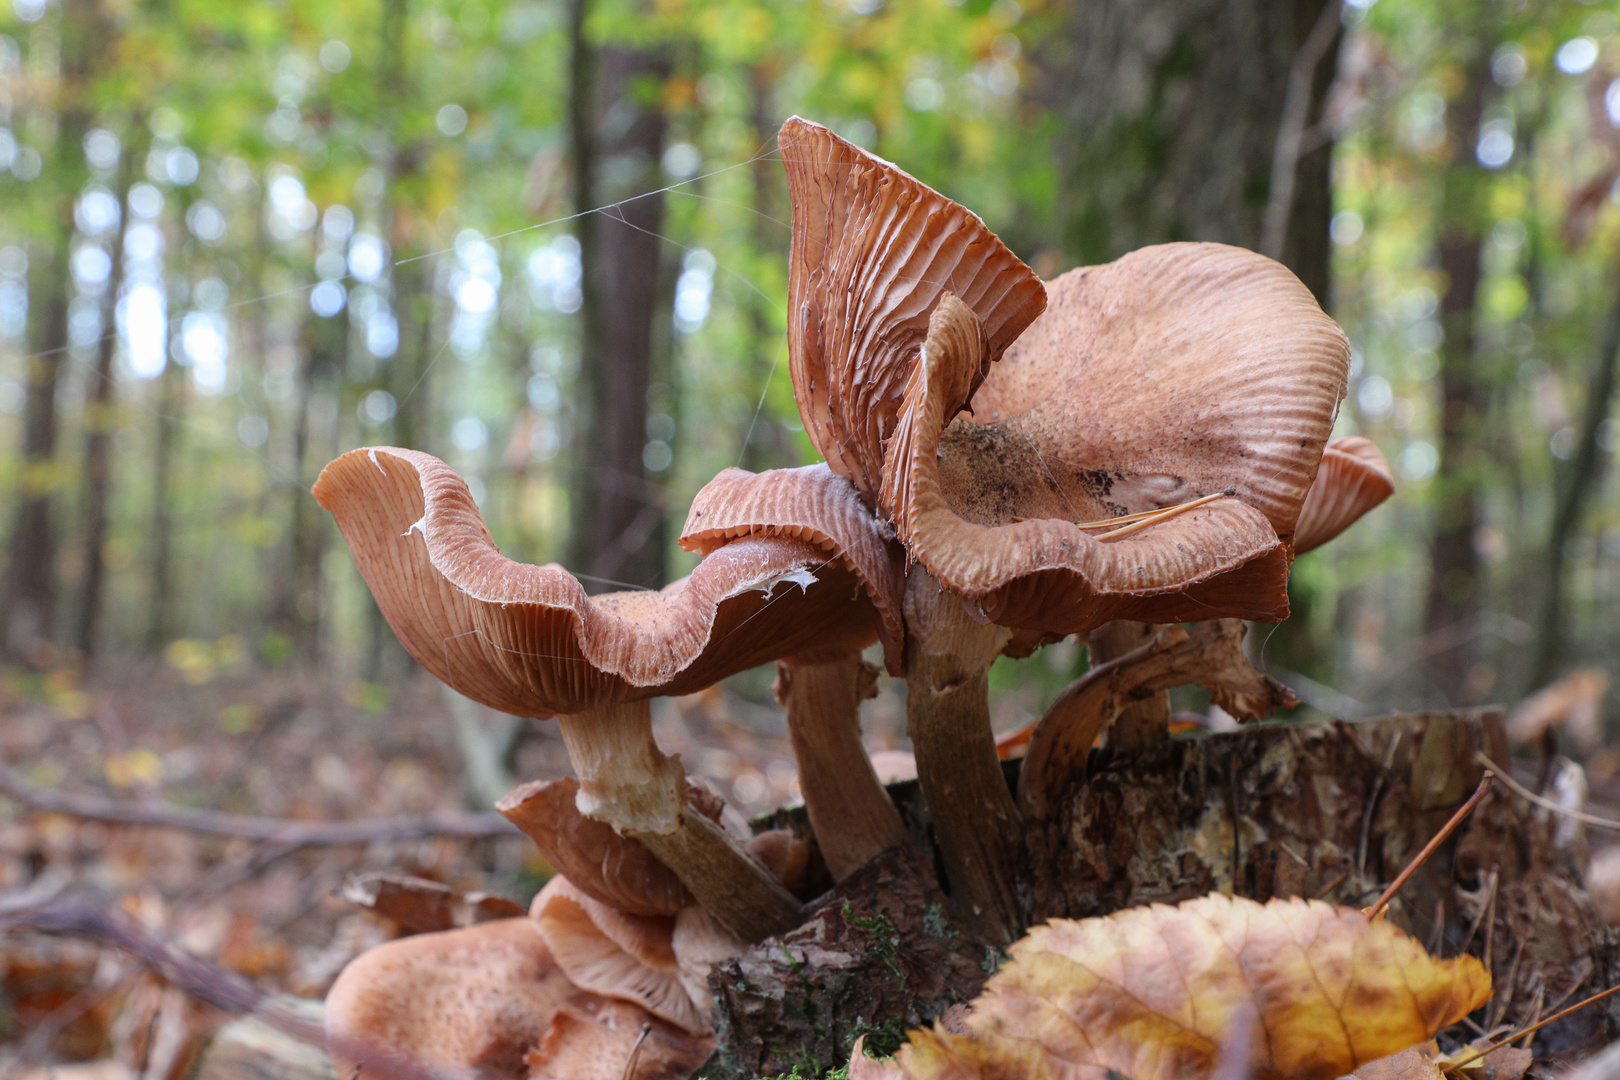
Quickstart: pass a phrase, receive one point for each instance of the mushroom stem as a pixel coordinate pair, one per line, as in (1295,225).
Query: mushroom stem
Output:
(1140,723)
(948,657)
(1211,655)
(626,781)
(852,815)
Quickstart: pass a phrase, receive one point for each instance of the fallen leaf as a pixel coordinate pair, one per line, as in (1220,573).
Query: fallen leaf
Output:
(1410,1064)
(1151,993)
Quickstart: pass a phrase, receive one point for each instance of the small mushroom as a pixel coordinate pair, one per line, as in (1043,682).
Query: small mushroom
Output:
(1353,478)
(821,689)
(602,1039)
(1211,655)
(615,954)
(528,640)
(613,869)
(453,1002)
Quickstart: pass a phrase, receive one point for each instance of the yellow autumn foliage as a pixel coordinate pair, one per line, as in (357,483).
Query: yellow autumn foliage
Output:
(1154,993)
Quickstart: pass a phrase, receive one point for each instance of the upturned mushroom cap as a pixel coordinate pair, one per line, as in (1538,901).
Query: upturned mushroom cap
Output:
(815,505)
(873,250)
(616,870)
(1177,372)
(528,640)
(455,1002)
(617,955)
(1353,478)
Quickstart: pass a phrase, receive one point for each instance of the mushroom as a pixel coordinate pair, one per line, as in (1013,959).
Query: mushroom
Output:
(616,954)
(1353,478)
(528,640)
(1140,451)
(613,869)
(452,1002)
(821,689)
(1211,655)
(602,1039)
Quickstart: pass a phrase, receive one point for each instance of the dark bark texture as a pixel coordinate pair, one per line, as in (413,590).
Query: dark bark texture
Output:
(1170,112)
(617,135)
(1331,810)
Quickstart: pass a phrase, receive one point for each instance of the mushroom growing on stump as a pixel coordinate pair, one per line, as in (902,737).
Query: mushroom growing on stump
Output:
(873,251)
(1141,452)
(527,640)
(821,689)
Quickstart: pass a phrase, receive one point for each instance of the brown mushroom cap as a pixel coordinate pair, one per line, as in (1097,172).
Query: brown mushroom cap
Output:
(528,640)
(872,251)
(815,505)
(1176,372)
(1353,478)
(454,1002)
(616,870)
(617,955)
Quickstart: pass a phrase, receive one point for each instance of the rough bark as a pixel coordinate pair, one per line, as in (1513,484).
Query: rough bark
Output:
(1325,809)
(1171,112)
(28,613)
(1452,609)
(617,139)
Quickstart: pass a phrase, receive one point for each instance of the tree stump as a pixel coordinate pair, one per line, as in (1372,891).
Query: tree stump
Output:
(1332,810)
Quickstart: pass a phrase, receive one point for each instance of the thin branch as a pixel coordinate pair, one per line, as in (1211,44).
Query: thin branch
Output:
(1291,131)
(264,829)
(81,913)
(1428,849)
(1546,804)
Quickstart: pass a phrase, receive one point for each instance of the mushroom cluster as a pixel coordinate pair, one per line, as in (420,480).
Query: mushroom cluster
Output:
(1006,462)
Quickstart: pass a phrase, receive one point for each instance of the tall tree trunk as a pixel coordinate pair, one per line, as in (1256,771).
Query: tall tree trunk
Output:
(1577,483)
(1452,613)
(160,626)
(1172,115)
(617,140)
(30,592)
(1171,112)
(100,422)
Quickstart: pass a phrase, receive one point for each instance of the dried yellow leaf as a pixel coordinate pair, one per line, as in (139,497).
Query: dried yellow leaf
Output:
(1153,993)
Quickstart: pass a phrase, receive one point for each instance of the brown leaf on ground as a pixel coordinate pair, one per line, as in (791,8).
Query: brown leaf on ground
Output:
(1152,992)
(1573,704)
(1413,1063)
(423,906)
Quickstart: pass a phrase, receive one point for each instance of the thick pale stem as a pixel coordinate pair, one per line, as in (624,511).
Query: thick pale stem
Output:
(626,781)
(948,657)
(849,810)
(1141,723)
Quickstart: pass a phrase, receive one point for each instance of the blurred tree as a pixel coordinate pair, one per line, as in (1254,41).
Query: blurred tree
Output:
(616,123)
(31,578)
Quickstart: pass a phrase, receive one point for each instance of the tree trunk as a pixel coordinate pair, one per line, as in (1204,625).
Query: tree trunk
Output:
(1579,480)
(1171,113)
(160,626)
(100,422)
(1452,612)
(30,595)
(617,141)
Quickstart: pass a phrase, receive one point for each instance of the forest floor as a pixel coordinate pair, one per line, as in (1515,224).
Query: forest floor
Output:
(206,730)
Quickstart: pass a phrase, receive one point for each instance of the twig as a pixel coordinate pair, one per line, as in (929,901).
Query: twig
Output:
(635,1053)
(1291,131)
(84,914)
(1539,1024)
(266,829)
(1428,849)
(1546,804)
